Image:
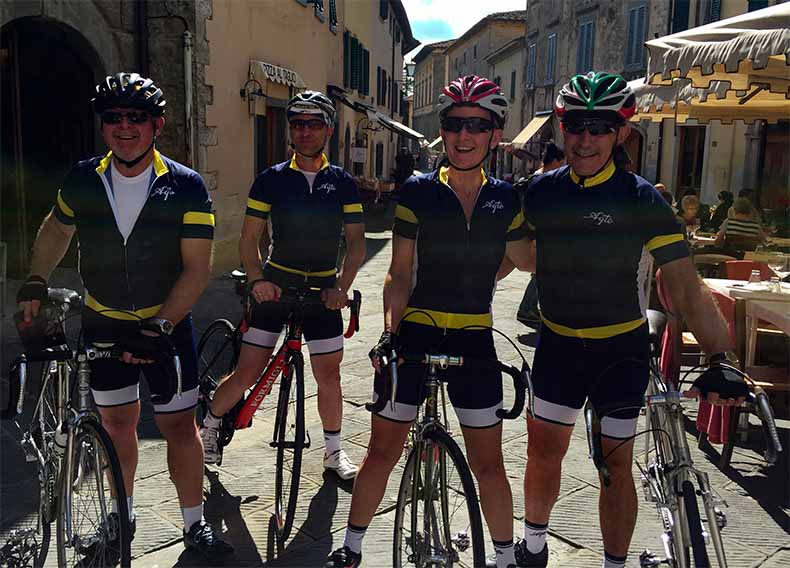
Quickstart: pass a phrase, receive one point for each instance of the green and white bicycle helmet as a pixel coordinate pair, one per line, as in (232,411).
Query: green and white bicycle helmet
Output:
(596,93)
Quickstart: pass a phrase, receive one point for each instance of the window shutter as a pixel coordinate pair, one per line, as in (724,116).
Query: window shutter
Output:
(384,9)
(641,32)
(365,72)
(346,59)
(631,38)
(551,57)
(715,11)
(378,84)
(513,85)
(333,13)
(354,83)
(680,17)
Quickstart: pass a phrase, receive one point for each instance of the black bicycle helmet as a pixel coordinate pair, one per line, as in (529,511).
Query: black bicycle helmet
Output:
(128,90)
(312,102)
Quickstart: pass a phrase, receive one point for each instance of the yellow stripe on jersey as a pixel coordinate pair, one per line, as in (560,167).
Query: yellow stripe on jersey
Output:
(405,214)
(447,320)
(602,332)
(197,218)
(330,272)
(518,220)
(258,205)
(352,208)
(127,315)
(662,240)
(65,209)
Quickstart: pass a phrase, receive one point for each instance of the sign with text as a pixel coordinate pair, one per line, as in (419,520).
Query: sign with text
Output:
(277,74)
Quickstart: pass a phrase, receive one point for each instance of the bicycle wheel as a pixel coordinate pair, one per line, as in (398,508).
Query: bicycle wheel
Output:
(289,439)
(688,500)
(42,434)
(217,357)
(437,518)
(88,535)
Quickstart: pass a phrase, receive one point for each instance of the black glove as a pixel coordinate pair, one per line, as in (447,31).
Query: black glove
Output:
(384,347)
(34,288)
(722,379)
(148,345)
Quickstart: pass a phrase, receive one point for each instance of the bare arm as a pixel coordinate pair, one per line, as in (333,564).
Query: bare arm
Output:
(505,268)
(397,283)
(51,244)
(354,257)
(522,254)
(249,246)
(695,304)
(196,259)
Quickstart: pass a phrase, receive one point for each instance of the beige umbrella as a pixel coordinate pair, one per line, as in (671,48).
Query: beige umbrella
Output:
(681,101)
(750,50)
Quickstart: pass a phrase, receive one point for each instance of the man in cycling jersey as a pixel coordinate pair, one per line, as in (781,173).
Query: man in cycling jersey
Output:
(452,229)
(594,225)
(304,203)
(145,232)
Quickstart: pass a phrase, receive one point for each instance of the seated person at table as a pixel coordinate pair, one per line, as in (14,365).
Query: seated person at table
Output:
(689,212)
(726,200)
(741,232)
(748,194)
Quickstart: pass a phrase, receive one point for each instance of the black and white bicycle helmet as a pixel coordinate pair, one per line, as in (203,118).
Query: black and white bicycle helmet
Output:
(312,102)
(129,90)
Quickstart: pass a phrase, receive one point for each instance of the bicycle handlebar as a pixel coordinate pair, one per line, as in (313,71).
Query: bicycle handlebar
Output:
(312,297)
(760,400)
(521,378)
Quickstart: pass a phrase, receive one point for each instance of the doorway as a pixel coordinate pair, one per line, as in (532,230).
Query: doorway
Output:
(48,125)
(692,153)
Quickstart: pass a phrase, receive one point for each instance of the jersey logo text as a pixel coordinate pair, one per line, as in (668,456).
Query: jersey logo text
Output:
(165,192)
(494,205)
(600,218)
(327,187)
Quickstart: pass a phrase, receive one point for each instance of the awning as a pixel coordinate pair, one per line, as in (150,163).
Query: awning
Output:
(276,74)
(681,101)
(530,130)
(750,49)
(357,106)
(399,128)
(435,145)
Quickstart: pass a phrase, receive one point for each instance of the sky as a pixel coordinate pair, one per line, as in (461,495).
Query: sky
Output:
(437,20)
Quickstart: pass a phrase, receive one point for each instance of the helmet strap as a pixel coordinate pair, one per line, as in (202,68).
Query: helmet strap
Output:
(138,159)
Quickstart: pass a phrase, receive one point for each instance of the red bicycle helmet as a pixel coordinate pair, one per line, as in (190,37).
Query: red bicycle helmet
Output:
(472,90)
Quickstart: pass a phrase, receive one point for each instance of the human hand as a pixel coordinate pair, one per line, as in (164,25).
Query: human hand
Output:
(31,295)
(265,291)
(382,349)
(334,298)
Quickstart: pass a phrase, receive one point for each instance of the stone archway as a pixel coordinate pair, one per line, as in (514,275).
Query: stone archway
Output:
(48,124)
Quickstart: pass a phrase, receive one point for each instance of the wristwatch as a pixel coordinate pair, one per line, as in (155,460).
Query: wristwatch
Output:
(727,357)
(162,325)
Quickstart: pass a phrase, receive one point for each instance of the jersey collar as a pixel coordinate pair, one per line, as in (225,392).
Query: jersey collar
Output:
(160,168)
(294,166)
(444,176)
(606,173)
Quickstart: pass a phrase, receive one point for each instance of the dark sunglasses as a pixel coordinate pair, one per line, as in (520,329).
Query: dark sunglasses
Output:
(473,125)
(312,124)
(595,126)
(132,117)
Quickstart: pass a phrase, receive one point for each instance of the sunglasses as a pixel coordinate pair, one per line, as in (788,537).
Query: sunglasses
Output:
(132,117)
(312,124)
(473,125)
(595,126)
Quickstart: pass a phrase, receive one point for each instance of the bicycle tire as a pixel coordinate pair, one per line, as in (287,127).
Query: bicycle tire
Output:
(218,354)
(91,456)
(289,440)
(457,547)
(689,501)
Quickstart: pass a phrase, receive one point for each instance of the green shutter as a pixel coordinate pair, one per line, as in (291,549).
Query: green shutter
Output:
(366,71)
(355,63)
(346,59)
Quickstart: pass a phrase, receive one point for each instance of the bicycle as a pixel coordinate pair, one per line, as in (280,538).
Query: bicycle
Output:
(668,473)
(73,451)
(437,486)
(218,351)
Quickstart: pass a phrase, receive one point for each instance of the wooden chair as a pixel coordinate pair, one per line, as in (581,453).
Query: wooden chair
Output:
(741,243)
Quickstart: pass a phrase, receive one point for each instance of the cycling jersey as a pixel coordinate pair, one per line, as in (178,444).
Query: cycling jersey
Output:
(306,220)
(593,239)
(456,261)
(130,278)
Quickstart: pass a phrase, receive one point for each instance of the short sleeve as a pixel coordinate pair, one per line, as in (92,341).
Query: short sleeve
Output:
(406,222)
(352,203)
(259,202)
(517,228)
(198,220)
(65,208)
(664,237)
(530,207)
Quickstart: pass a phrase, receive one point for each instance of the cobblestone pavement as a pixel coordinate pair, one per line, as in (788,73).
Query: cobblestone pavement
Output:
(239,494)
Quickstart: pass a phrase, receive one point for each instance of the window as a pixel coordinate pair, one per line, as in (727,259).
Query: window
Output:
(464,59)
(532,55)
(346,60)
(318,9)
(379,159)
(356,64)
(710,11)
(474,53)
(383,101)
(513,85)
(333,15)
(584,53)
(634,47)
(384,9)
(456,64)
(357,61)
(757,5)
(378,85)
(680,16)
(551,57)
(365,87)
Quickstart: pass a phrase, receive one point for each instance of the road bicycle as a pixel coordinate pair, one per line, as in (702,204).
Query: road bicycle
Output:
(78,468)
(437,516)
(218,351)
(669,478)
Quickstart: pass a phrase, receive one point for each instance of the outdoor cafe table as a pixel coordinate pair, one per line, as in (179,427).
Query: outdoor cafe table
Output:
(758,304)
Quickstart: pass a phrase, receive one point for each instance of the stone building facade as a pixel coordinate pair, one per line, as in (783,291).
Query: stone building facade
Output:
(430,76)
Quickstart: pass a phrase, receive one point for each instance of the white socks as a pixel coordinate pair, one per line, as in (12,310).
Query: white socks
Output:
(331,442)
(191,516)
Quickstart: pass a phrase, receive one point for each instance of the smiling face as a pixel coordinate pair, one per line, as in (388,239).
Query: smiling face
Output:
(464,149)
(588,154)
(128,140)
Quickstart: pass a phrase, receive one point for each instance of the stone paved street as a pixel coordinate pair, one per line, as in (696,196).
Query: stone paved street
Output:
(239,494)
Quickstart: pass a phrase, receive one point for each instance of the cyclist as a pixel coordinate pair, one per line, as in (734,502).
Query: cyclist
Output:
(594,224)
(304,203)
(145,232)
(452,229)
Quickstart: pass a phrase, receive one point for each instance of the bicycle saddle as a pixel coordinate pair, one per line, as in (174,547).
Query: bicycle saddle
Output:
(64,296)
